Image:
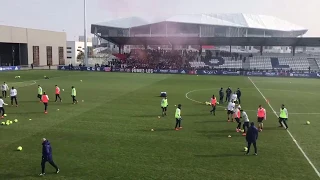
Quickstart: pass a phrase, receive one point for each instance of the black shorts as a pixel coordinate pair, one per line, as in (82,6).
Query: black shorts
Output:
(46,104)
(260,119)
(283,119)
(238,120)
(13,97)
(229,112)
(164,108)
(246,124)
(39,95)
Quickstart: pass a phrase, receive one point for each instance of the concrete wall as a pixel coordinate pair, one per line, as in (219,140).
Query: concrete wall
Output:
(73,49)
(35,37)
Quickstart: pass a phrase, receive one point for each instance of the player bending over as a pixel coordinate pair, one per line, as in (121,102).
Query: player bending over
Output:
(246,121)
(262,115)
(230,108)
(237,116)
(164,106)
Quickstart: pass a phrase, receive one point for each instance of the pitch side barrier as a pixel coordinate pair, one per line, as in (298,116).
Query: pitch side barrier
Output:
(194,72)
(10,68)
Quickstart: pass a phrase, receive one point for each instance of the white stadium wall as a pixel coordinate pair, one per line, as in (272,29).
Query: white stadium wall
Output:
(34,37)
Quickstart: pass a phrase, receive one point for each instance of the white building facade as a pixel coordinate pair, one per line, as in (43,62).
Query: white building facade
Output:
(73,49)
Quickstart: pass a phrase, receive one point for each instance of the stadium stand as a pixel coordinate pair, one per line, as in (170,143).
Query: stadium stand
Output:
(260,62)
(175,59)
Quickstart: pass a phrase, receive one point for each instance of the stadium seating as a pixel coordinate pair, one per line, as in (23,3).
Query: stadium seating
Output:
(231,63)
(294,63)
(260,62)
(196,64)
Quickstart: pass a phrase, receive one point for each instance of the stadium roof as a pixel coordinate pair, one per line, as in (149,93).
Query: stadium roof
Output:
(217,41)
(234,20)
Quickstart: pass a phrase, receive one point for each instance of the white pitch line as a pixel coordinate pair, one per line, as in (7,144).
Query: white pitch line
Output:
(294,140)
(246,109)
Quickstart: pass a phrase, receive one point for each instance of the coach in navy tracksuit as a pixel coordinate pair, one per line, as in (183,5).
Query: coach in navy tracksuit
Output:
(47,156)
(252,137)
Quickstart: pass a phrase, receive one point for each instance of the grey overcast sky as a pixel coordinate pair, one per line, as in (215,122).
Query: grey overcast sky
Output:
(67,15)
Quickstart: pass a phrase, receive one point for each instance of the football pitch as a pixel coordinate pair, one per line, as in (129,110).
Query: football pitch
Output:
(107,135)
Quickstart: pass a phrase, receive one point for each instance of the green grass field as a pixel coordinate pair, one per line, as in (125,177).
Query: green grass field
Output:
(108,135)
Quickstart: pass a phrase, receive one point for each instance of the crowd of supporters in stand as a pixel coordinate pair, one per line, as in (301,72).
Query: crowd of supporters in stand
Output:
(178,59)
(158,59)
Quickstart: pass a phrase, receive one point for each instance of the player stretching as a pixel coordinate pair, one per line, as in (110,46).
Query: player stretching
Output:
(230,109)
(283,117)
(178,118)
(262,115)
(164,106)
(246,121)
(45,100)
(213,105)
(58,94)
(39,92)
(73,95)
(237,116)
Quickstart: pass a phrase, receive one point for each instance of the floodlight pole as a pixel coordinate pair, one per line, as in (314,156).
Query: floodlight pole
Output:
(85,33)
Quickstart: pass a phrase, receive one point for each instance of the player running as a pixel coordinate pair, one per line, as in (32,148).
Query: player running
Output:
(164,106)
(213,105)
(73,95)
(230,111)
(57,94)
(39,92)
(283,116)
(262,115)
(45,100)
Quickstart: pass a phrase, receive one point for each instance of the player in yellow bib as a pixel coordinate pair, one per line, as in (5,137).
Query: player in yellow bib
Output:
(164,106)
(178,118)
(283,116)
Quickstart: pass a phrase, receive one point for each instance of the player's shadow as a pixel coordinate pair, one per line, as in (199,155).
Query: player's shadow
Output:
(29,112)
(157,129)
(210,121)
(146,116)
(219,155)
(17,176)
(271,128)
(214,134)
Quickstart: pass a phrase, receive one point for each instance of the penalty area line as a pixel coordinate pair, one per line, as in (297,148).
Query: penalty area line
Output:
(294,140)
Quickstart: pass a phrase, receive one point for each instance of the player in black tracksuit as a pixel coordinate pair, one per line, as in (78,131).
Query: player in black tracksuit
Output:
(221,95)
(47,157)
(228,94)
(238,92)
